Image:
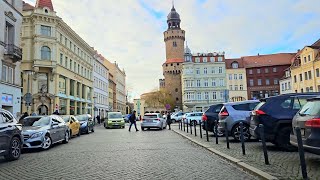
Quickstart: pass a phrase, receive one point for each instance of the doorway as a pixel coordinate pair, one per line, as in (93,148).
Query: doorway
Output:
(43,110)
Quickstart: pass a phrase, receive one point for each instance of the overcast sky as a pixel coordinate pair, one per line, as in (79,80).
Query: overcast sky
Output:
(131,31)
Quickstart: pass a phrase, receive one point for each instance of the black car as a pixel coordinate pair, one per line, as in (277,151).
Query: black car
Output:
(308,120)
(86,123)
(211,116)
(10,136)
(276,114)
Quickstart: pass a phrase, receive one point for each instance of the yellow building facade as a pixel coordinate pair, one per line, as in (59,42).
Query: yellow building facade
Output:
(57,64)
(305,70)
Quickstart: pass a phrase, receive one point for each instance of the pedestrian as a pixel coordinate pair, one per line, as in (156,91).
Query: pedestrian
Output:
(132,120)
(24,115)
(169,120)
(98,119)
(34,114)
(56,112)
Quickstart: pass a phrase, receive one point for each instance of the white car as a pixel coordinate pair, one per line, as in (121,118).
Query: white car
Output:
(177,117)
(194,118)
(153,120)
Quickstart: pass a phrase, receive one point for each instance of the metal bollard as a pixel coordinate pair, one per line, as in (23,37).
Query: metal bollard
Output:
(242,139)
(216,132)
(190,127)
(187,127)
(301,154)
(184,126)
(264,146)
(200,129)
(207,130)
(195,128)
(227,135)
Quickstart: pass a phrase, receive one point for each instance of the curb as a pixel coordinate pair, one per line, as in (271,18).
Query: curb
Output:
(245,166)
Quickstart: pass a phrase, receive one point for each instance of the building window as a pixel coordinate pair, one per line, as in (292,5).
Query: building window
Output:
(305,59)
(206,95)
(250,71)
(61,59)
(197,59)
(235,76)
(240,76)
(198,83)
(301,90)
(230,87)
(274,69)
(66,62)
(289,85)
(78,69)
(174,44)
(221,82)
(214,82)
(295,78)
(236,87)
(65,41)
(70,67)
(220,70)
(214,95)
(199,95)
(205,59)
(305,76)
(4,75)
(276,81)
(213,70)
(61,38)
(235,65)
(258,71)
(198,71)
(45,30)
(205,70)
(266,70)
(211,59)
(311,89)
(309,58)
(74,67)
(251,82)
(259,82)
(206,84)
(282,87)
(221,95)
(241,87)
(230,76)
(267,82)
(219,59)
(300,77)
(309,74)
(45,53)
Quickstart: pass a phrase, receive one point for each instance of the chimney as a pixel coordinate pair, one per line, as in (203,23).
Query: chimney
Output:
(258,54)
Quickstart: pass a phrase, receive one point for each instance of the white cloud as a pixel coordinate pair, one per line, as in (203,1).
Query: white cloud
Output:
(125,32)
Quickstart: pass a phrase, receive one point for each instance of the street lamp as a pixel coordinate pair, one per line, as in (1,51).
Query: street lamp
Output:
(28,95)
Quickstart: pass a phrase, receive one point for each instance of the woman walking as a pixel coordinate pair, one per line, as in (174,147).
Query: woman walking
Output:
(169,120)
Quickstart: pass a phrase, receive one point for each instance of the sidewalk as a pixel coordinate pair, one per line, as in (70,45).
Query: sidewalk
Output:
(283,165)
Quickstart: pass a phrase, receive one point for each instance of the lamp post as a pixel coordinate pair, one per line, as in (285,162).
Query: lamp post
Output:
(28,95)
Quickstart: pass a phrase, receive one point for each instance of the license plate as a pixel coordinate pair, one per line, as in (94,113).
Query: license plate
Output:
(116,124)
(149,120)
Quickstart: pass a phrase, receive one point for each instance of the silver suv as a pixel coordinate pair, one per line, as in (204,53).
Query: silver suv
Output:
(233,113)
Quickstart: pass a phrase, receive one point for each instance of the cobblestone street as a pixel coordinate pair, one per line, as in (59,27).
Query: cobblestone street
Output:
(119,154)
(283,165)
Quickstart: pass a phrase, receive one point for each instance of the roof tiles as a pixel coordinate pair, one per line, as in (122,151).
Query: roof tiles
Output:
(44,3)
(268,60)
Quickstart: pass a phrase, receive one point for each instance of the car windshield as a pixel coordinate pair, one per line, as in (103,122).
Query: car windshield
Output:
(150,116)
(44,121)
(81,118)
(312,108)
(114,115)
(29,121)
(66,118)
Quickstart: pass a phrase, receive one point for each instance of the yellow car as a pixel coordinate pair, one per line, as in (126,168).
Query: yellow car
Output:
(73,124)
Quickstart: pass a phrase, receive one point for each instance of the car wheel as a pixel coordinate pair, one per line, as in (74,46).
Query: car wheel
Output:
(46,143)
(79,133)
(283,139)
(92,130)
(14,149)
(88,130)
(236,132)
(66,137)
(70,134)
(173,120)
(142,129)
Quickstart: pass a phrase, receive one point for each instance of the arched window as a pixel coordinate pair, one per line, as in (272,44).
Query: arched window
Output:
(45,53)
(235,65)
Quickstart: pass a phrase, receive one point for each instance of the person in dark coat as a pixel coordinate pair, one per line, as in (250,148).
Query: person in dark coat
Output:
(25,114)
(132,120)
(169,120)
(98,119)
(56,112)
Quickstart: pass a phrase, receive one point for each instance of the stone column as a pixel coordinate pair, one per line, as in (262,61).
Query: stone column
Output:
(80,92)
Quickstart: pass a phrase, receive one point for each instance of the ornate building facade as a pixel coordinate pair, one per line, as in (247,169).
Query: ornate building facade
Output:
(174,38)
(57,63)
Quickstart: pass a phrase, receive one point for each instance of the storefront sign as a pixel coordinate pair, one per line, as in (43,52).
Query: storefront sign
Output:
(7,99)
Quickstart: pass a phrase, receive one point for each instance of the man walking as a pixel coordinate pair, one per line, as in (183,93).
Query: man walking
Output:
(132,120)
(169,120)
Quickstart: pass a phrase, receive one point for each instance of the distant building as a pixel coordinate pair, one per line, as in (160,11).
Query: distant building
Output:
(10,55)
(112,93)
(236,80)
(203,80)
(263,73)
(286,82)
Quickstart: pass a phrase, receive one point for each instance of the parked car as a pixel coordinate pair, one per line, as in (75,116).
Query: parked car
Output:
(73,124)
(126,118)
(114,119)
(308,120)
(43,131)
(10,136)
(276,114)
(211,116)
(177,117)
(86,123)
(233,113)
(194,118)
(153,120)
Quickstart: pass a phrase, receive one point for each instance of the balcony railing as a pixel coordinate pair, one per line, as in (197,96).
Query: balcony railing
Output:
(13,52)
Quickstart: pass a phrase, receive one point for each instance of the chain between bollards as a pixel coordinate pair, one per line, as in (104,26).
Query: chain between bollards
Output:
(301,154)
(264,146)
(200,128)
(216,132)
(242,139)
(206,124)
(195,127)
(227,134)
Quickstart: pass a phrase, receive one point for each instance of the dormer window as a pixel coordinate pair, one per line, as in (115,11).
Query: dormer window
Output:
(235,65)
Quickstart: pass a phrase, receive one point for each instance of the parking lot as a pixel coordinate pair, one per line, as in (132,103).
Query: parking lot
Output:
(119,154)
(283,165)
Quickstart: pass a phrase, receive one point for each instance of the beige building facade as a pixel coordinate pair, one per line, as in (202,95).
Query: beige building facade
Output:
(57,63)
(236,80)
(10,55)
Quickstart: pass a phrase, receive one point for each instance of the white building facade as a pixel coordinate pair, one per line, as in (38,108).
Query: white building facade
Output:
(286,83)
(203,80)
(10,55)
(101,87)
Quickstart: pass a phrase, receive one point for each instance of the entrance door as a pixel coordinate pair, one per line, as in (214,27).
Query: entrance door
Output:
(43,110)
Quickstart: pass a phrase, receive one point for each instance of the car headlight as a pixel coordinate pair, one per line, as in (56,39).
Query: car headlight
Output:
(36,135)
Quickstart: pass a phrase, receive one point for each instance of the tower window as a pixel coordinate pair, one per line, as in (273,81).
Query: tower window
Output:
(174,44)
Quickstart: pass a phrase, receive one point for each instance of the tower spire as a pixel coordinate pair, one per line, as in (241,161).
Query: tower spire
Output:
(173,5)
(44,3)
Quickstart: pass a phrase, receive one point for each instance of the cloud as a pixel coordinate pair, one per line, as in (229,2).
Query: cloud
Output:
(131,32)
